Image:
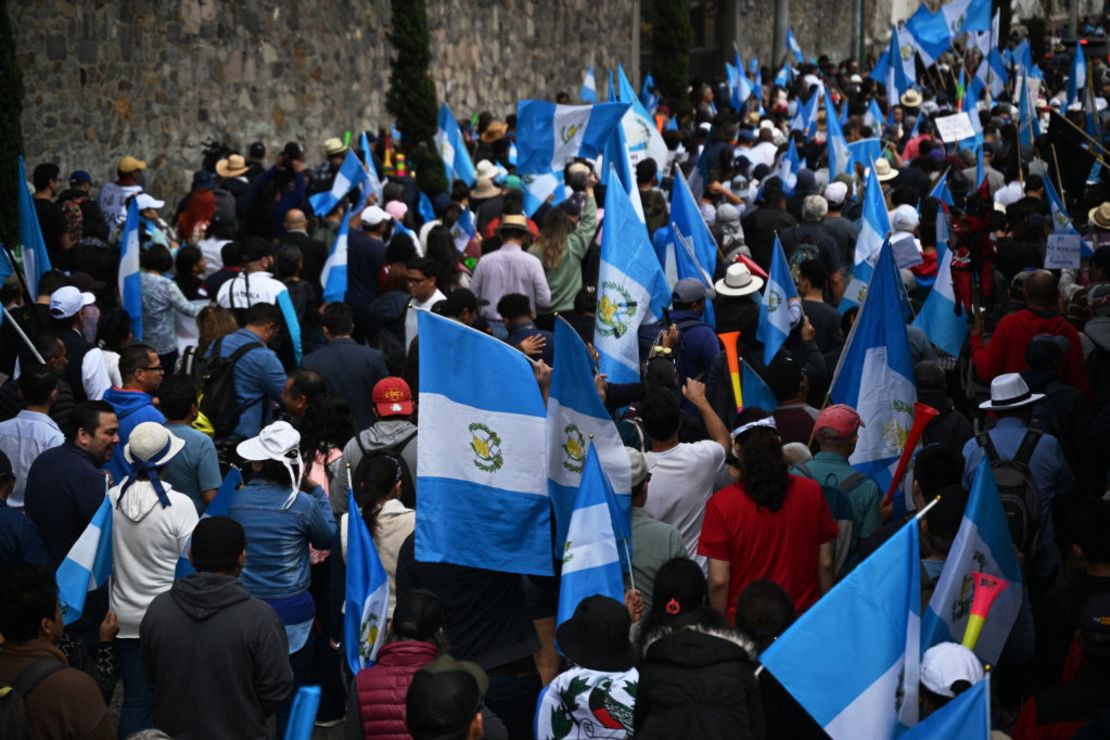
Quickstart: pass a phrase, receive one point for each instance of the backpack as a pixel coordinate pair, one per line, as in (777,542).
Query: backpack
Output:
(840,506)
(13,714)
(392,348)
(408,486)
(1018,491)
(218,400)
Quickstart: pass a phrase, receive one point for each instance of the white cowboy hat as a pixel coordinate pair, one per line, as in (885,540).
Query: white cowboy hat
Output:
(1009,391)
(883,170)
(738,281)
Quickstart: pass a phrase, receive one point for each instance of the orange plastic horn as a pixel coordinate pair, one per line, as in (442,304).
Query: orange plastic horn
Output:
(730,338)
(922,415)
(987,589)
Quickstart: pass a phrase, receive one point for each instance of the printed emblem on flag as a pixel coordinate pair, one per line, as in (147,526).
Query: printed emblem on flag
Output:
(615,310)
(895,432)
(958,23)
(566,133)
(368,634)
(574,449)
(906,52)
(961,607)
(774,300)
(487,448)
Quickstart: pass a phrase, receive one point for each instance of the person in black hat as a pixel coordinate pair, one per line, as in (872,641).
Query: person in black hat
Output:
(216,658)
(598,693)
(444,701)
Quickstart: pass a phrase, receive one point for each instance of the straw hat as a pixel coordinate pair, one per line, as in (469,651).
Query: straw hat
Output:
(1100,216)
(883,171)
(911,99)
(233,166)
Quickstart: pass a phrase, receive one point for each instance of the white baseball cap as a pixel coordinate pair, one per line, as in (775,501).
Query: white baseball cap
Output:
(374,215)
(144,201)
(68,300)
(946,663)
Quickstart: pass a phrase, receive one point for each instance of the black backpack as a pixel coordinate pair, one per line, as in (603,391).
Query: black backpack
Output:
(1018,491)
(408,482)
(218,400)
(13,713)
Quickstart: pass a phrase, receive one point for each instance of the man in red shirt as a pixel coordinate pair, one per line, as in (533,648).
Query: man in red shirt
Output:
(1005,353)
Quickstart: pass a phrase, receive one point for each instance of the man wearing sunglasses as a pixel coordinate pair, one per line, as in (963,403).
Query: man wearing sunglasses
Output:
(141,372)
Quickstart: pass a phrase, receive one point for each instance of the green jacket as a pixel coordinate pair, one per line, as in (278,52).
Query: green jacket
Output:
(565,279)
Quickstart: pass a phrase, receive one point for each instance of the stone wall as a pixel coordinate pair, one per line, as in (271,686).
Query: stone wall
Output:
(157,78)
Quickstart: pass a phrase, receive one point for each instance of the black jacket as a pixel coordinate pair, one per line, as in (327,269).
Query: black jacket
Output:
(314,252)
(698,682)
(216,659)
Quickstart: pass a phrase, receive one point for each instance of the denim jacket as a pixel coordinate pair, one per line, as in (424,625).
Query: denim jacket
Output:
(278,536)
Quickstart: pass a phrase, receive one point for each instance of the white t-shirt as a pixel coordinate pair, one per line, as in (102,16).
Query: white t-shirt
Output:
(410,315)
(681,483)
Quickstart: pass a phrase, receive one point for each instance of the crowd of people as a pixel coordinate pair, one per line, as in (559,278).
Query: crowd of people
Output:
(741,520)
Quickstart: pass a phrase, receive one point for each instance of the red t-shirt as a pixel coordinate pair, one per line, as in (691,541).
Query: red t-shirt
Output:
(780,546)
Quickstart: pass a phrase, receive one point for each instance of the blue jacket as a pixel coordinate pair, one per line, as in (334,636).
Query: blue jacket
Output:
(259,379)
(698,345)
(132,409)
(522,331)
(278,536)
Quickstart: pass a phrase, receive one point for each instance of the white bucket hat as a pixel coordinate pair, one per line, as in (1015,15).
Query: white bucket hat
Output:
(738,281)
(152,443)
(1009,391)
(280,442)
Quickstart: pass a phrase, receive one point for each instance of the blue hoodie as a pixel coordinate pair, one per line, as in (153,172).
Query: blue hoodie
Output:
(132,409)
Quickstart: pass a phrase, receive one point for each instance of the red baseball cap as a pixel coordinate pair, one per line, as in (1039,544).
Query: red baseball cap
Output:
(839,418)
(392,397)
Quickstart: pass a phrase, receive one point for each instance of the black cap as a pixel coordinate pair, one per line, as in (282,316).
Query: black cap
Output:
(293,150)
(257,150)
(253,249)
(444,697)
(217,543)
(458,301)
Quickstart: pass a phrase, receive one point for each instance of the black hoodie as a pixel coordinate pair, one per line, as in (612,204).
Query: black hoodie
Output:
(216,658)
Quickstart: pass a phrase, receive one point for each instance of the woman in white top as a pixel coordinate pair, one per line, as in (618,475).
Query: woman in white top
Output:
(151,527)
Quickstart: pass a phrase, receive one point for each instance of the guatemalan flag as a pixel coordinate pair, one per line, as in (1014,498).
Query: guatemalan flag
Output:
(875,376)
(128,281)
(483,498)
(937,317)
(220,505)
(640,134)
(351,174)
(88,565)
(967,15)
(874,226)
(840,158)
(874,117)
(930,33)
(549,135)
(870,622)
(692,239)
(575,415)
(366,593)
(333,278)
(865,150)
(1061,221)
(967,717)
(788,168)
(755,391)
(452,149)
(462,231)
(588,92)
(591,561)
(373,181)
(774,310)
(982,544)
(620,171)
(32,246)
(794,47)
(631,289)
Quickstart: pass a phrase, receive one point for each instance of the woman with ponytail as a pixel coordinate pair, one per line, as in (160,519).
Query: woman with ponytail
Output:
(768,524)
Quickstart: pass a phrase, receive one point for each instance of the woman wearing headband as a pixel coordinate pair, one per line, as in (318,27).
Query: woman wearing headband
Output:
(281,515)
(768,524)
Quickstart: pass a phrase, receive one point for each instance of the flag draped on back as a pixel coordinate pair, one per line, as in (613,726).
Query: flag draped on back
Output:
(333,278)
(452,149)
(852,660)
(483,499)
(982,544)
(874,226)
(129,281)
(774,309)
(591,563)
(937,317)
(967,717)
(588,92)
(366,594)
(631,289)
(88,565)
(351,174)
(220,505)
(575,416)
(876,374)
(32,246)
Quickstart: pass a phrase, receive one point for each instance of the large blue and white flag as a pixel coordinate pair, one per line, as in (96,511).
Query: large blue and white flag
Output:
(938,318)
(992,72)
(591,560)
(1061,221)
(351,174)
(220,505)
(693,235)
(452,148)
(983,544)
(930,33)
(788,168)
(483,499)
(87,565)
(640,134)
(549,135)
(967,717)
(794,47)
(32,246)
(870,621)
(967,15)
(588,92)
(631,289)
(774,310)
(333,278)
(1029,126)
(805,116)
(366,594)
(575,415)
(906,52)
(890,71)
(873,118)
(619,170)
(874,227)
(840,158)
(876,374)
(740,87)
(866,150)
(425,208)
(129,280)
